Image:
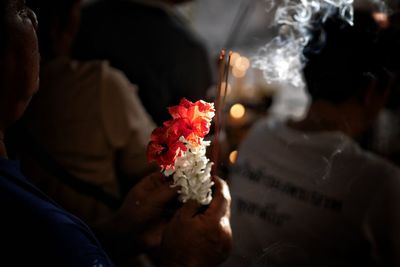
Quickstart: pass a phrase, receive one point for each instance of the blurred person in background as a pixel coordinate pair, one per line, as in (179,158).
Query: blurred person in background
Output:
(87,128)
(152,45)
(304,192)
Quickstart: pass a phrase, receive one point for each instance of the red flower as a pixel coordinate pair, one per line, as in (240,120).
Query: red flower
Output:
(195,117)
(191,121)
(190,131)
(165,147)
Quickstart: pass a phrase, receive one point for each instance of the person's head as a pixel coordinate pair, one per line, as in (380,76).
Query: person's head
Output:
(19,60)
(351,64)
(59,23)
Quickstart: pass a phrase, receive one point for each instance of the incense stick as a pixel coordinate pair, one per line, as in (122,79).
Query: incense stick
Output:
(219,104)
(228,63)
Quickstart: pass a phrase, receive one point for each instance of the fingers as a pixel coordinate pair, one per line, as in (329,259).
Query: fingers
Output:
(152,192)
(164,193)
(149,185)
(189,209)
(152,181)
(156,194)
(220,205)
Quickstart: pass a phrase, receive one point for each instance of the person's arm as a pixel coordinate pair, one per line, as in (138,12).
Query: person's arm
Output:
(199,239)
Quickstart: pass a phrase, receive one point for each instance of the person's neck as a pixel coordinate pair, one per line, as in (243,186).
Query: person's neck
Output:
(324,116)
(3,151)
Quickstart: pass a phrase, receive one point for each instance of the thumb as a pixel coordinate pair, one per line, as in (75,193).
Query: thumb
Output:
(220,205)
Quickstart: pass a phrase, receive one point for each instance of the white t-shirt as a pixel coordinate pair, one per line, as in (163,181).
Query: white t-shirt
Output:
(88,117)
(312,199)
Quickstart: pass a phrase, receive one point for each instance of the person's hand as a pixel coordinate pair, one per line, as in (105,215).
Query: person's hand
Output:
(146,209)
(139,223)
(195,238)
(147,200)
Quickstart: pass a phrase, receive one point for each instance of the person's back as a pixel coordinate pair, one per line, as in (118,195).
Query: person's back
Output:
(309,199)
(151,45)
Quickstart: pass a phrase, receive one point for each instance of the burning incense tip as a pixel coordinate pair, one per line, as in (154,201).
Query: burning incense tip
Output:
(222,54)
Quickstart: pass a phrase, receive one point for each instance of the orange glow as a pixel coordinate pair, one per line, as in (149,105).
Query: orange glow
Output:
(242,63)
(382,19)
(238,73)
(233,157)
(234,57)
(237,111)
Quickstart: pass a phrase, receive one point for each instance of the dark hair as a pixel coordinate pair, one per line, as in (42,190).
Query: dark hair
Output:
(49,11)
(349,58)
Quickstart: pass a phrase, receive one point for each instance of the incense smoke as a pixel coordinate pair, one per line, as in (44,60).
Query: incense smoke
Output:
(282,59)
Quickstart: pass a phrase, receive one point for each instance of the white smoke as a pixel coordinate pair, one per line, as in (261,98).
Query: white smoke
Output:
(282,60)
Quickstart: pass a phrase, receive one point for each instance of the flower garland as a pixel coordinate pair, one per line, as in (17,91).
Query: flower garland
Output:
(179,149)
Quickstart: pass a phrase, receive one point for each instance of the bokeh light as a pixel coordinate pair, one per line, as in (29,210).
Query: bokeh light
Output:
(242,63)
(237,111)
(234,57)
(238,73)
(233,157)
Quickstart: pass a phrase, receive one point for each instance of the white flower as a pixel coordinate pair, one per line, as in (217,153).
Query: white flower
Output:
(192,172)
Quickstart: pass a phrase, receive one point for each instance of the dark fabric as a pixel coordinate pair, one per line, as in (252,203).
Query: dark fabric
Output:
(151,46)
(35,231)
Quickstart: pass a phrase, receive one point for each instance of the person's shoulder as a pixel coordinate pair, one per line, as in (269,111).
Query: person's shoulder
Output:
(264,128)
(114,78)
(169,24)
(99,71)
(182,35)
(371,173)
(261,132)
(87,73)
(374,161)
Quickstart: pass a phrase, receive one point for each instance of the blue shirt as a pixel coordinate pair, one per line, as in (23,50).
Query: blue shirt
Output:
(35,231)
